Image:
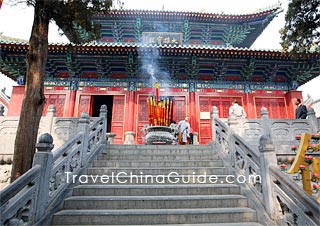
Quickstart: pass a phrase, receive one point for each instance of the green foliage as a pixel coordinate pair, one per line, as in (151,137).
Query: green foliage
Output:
(68,13)
(302,28)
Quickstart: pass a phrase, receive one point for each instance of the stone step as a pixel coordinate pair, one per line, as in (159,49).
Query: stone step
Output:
(205,224)
(179,189)
(156,164)
(163,157)
(173,178)
(154,216)
(155,202)
(168,151)
(159,171)
(160,147)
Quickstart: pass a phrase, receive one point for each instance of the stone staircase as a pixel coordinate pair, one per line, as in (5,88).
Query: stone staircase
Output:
(130,198)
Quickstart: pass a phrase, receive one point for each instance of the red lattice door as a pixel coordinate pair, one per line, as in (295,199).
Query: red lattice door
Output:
(58,100)
(275,106)
(142,117)
(117,121)
(85,105)
(179,108)
(205,124)
(206,103)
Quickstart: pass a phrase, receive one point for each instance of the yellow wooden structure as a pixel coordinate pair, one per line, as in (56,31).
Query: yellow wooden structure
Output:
(302,164)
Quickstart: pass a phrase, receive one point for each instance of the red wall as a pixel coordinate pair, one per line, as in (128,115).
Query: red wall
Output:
(130,108)
(16,101)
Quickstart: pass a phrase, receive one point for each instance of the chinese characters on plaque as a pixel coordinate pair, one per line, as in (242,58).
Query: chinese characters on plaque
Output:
(162,38)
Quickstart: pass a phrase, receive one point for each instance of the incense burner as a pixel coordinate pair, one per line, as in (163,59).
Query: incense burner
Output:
(159,135)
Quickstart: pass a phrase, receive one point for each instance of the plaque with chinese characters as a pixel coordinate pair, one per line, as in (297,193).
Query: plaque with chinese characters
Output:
(162,38)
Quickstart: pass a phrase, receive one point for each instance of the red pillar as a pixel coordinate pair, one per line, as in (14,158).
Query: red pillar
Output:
(72,101)
(249,105)
(131,113)
(192,110)
(290,98)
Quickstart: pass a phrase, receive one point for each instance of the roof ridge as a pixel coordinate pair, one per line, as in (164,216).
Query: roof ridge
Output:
(142,45)
(8,39)
(276,7)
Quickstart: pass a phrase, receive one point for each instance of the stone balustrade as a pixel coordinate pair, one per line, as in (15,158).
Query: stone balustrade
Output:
(283,131)
(36,195)
(275,195)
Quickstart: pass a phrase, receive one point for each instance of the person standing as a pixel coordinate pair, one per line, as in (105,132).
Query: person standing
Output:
(301,110)
(184,130)
(236,111)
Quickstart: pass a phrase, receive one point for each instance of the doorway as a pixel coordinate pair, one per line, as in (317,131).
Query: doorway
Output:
(100,100)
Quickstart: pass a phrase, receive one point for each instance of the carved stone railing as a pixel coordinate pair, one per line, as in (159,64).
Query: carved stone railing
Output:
(36,195)
(61,129)
(296,207)
(283,131)
(276,196)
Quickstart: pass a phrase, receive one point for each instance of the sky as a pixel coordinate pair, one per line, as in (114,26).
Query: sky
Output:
(16,21)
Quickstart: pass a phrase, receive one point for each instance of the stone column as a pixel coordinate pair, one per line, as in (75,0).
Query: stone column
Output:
(83,127)
(267,158)
(44,158)
(129,137)
(214,114)
(51,113)
(103,114)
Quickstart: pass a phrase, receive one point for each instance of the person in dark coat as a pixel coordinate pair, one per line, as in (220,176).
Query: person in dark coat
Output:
(301,110)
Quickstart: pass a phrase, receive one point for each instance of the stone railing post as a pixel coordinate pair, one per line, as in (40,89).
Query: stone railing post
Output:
(103,114)
(267,158)
(129,137)
(1,110)
(313,120)
(195,138)
(83,127)
(44,158)
(51,113)
(264,113)
(214,114)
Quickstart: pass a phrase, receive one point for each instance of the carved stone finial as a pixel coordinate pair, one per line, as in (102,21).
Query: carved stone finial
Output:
(214,109)
(45,138)
(45,143)
(51,108)
(215,112)
(264,112)
(51,111)
(85,115)
(103,108)
(266,144)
